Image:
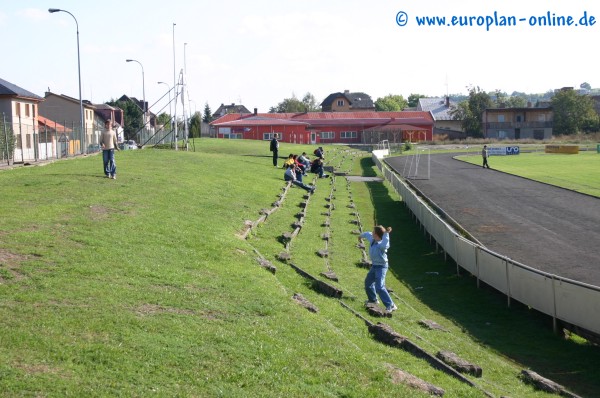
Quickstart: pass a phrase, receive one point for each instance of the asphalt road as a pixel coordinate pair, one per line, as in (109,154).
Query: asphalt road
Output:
(545,227)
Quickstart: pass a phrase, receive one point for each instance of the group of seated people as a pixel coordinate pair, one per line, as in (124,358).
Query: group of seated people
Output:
(297,166)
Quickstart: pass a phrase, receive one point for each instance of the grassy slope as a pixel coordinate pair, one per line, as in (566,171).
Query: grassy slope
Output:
(139,287)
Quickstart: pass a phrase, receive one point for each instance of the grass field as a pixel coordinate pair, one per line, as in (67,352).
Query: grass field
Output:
(580,172)
(141,286)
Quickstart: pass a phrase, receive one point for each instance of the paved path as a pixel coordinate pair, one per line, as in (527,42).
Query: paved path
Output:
(545,227)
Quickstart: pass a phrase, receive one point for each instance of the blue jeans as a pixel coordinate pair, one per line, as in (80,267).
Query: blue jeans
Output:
(298,183)
(108,157)
(375,284)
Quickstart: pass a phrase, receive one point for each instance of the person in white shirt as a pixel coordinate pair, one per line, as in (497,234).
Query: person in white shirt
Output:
(108,142)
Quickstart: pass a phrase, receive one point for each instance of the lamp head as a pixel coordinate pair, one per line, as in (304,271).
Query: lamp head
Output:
(53,10)
(128,60)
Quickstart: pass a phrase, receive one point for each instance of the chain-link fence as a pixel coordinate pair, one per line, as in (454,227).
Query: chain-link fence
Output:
(53,140)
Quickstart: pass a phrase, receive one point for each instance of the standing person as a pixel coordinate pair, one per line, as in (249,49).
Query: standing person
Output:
(108,142)
(275,149)
(484,155)
(379,243)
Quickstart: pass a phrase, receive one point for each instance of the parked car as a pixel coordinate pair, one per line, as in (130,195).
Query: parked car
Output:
(132,144)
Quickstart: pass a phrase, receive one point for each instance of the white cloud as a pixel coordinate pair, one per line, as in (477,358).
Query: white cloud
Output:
(34,14)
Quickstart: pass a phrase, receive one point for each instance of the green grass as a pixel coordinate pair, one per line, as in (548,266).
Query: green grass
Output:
(576,172)
(140,286)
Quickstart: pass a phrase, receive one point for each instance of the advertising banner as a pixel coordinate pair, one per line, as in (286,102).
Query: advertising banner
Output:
(503,150)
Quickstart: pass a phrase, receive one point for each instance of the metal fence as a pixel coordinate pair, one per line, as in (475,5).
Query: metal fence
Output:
(573,302)
(54,141)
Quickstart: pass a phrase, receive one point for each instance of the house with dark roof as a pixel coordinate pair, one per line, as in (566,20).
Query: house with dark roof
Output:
(347,102)
(20,110)
(225,109)
(327,127)
(440,108)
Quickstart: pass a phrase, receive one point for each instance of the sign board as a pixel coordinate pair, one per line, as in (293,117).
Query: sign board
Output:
(573,149)
(504,150)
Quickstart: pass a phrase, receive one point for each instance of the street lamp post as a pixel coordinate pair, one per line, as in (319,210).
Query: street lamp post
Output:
(145,107)
(52,11)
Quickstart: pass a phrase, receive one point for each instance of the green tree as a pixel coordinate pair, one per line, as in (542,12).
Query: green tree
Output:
(502,100)
(7,143)
(391,103)
(132,115)
(573,113)
(194,125)
(207,116)
(310,103)
(516,102)
(164,119)
(413,100)
(470,111)
(294,105)
(585,85)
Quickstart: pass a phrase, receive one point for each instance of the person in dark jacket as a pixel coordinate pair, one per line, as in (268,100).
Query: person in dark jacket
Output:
(317,168)
(275,149)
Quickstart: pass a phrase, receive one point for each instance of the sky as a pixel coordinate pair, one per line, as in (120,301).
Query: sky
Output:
(259,52)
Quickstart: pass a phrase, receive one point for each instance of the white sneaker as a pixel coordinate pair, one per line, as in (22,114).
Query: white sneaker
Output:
(392,308)
(371,302)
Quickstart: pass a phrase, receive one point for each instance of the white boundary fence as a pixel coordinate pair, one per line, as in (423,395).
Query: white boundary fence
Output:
(563,299)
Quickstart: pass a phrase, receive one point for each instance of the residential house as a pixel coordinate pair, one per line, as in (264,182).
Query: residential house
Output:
(444,124)
(53,138)
(225,109)
(347,102)
(112,113)
(20,109)
(67,111)
(327,127)
(518,123)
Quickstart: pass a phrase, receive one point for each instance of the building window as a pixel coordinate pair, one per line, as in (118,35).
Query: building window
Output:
(236,136)
(340,102)
(269,136)
(27,113)
(17,109)
(501,134)
(28,140)
(348,134)
(327,135)
(500,118)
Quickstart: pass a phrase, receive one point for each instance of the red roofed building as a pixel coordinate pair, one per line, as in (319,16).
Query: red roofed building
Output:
(327,127)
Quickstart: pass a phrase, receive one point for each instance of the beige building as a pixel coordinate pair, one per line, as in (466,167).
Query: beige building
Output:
(19,109)
(518,123)
(66,111)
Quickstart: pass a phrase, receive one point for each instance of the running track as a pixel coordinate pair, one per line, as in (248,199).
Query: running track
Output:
(545,227)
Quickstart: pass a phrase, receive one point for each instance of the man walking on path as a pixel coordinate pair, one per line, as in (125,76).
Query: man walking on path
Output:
(484,155)
(108,141)
(275,149)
